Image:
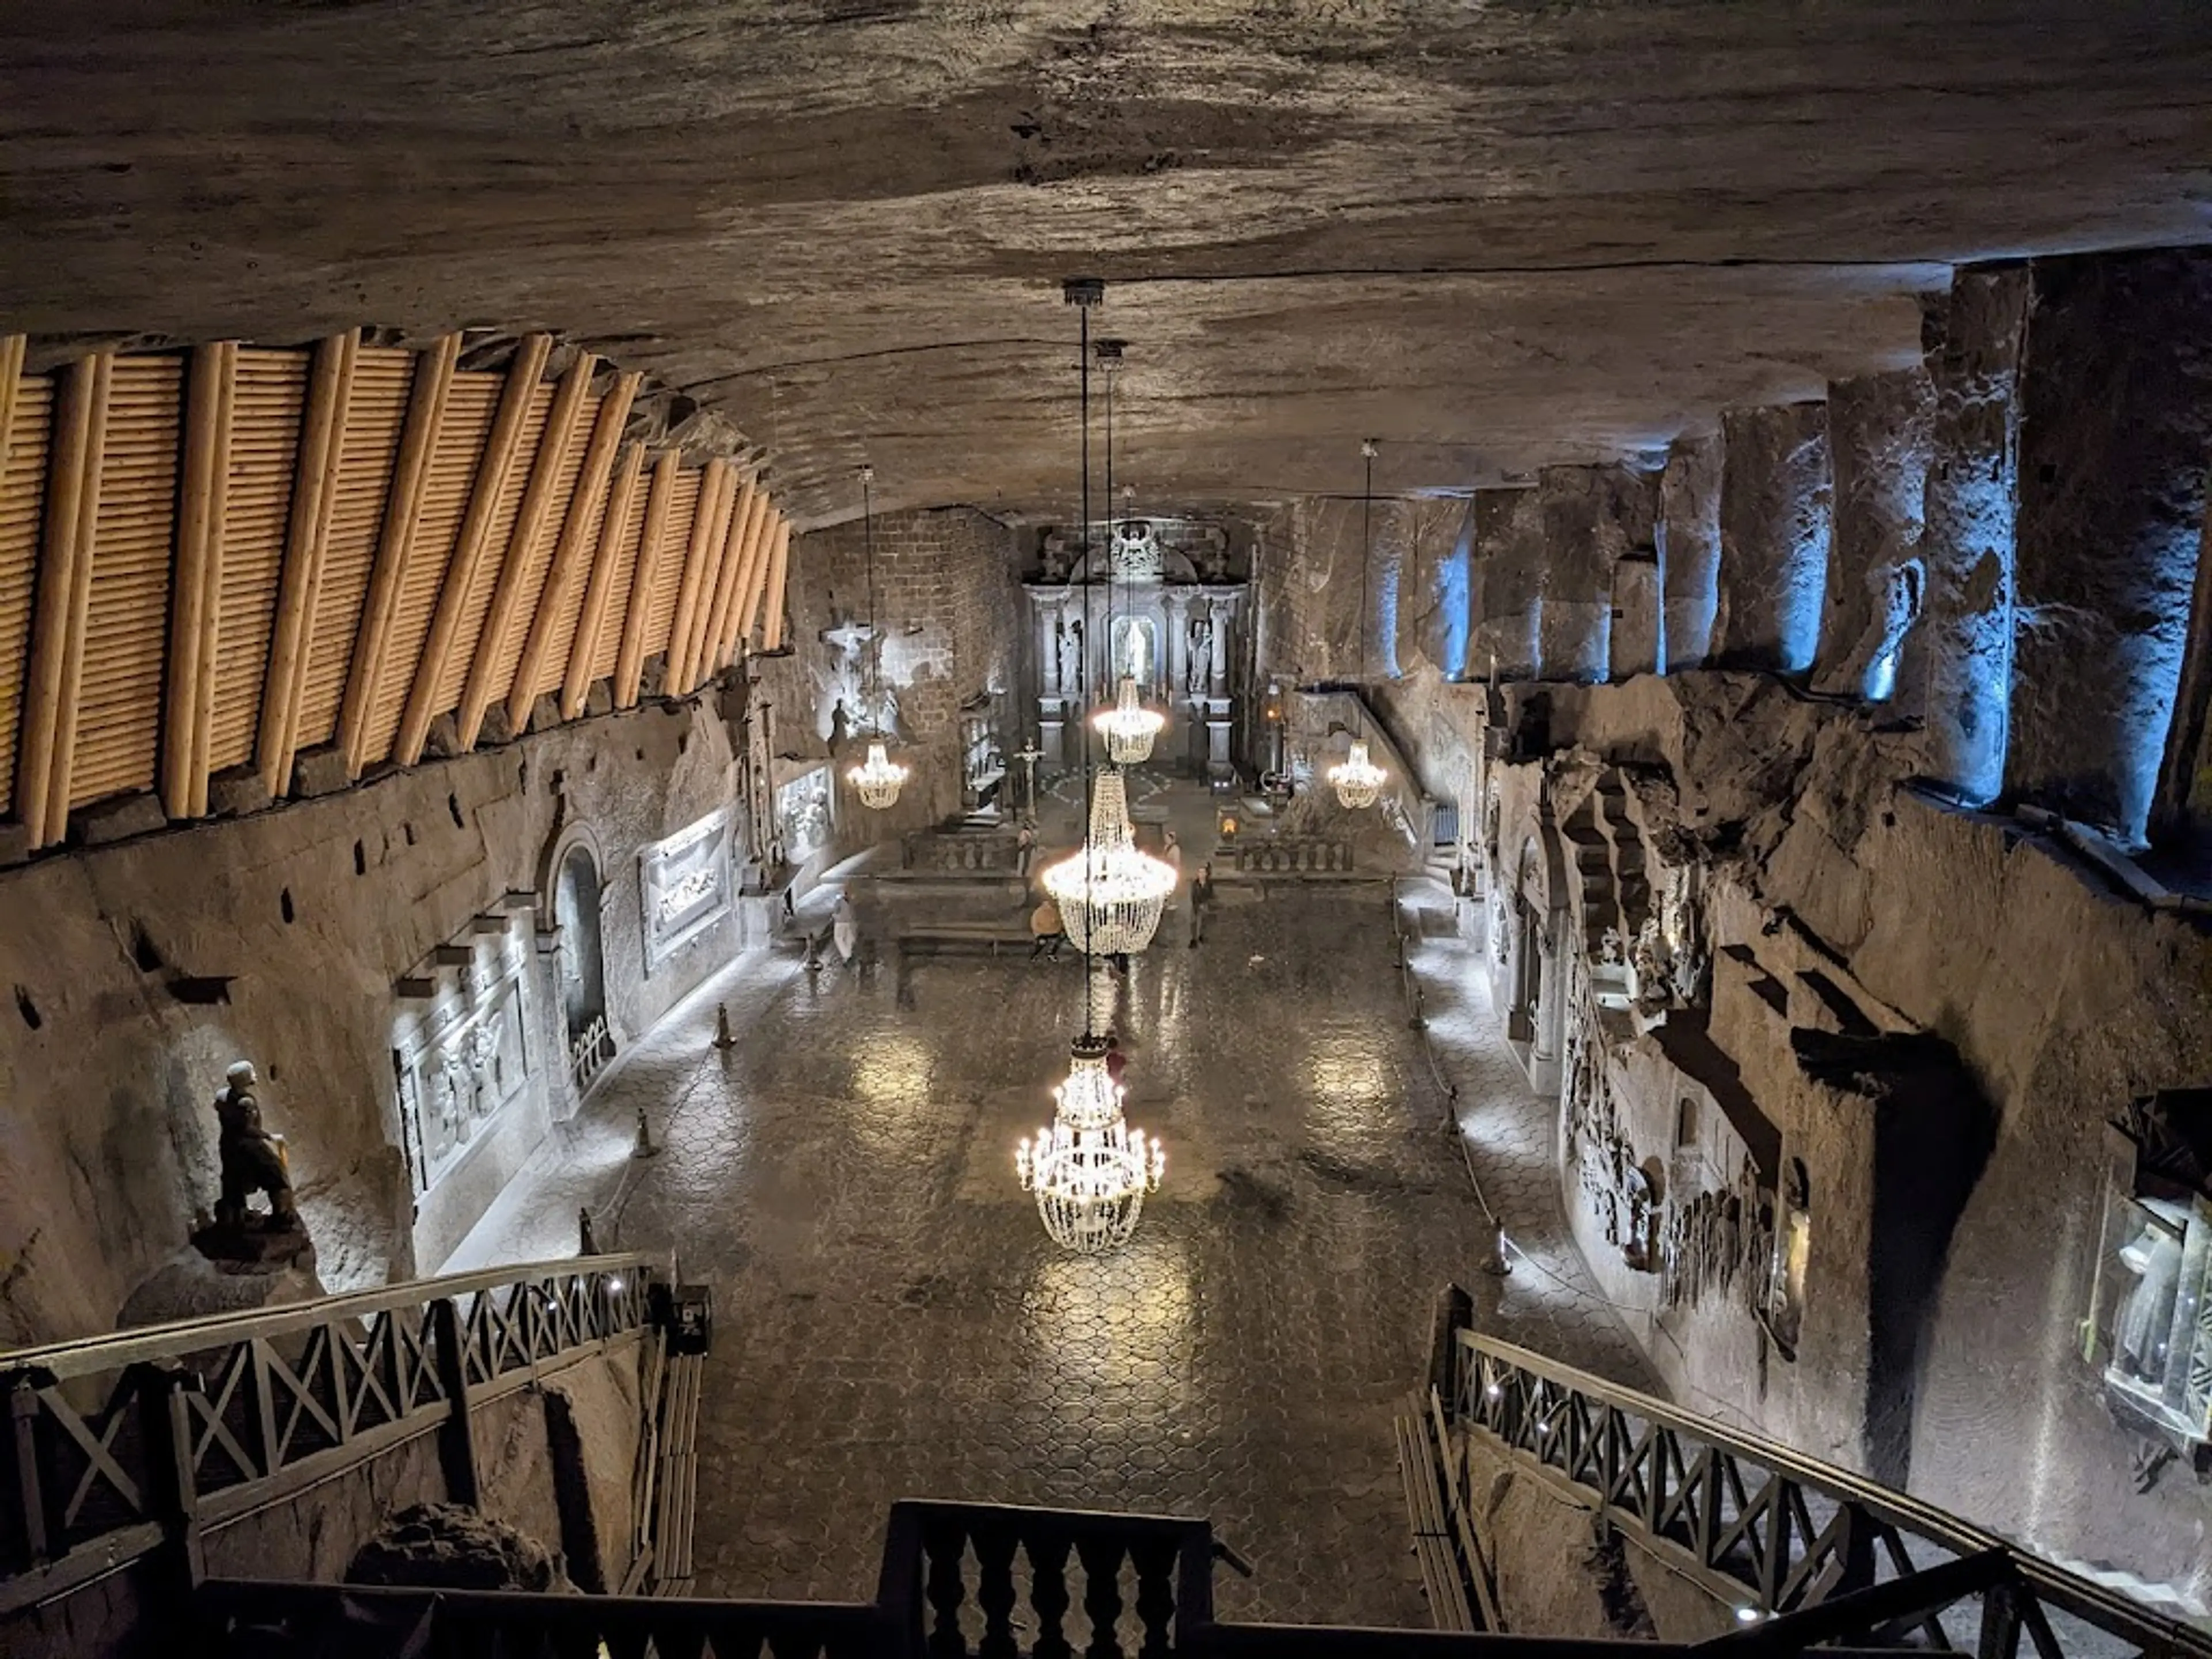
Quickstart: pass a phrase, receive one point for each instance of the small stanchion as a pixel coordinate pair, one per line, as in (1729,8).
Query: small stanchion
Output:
(723,1037)
(1499,1265)
(645,1148)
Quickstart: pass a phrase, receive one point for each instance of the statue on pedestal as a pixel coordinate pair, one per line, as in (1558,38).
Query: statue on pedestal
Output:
(252,1162)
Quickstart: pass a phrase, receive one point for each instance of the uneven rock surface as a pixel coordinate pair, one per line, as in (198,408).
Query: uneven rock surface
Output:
(1495,238)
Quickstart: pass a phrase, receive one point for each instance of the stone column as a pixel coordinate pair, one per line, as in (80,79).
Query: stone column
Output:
(1690,549)
(1223,615)
(1581,541)
(2116,431)
(1775,512)
(1879,430)
(1509,566)
(1639,644)
(1964,659)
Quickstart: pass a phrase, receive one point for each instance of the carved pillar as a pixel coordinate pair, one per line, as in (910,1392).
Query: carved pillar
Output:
(1879,429)
(1690,549)
(1509,558)
(1965,655)
(1222,612)
(1775,517)
(2116,427)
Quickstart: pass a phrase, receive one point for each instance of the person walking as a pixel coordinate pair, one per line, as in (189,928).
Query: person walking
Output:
(845,928)
(1171,854)
(1201,894)
(1046,934)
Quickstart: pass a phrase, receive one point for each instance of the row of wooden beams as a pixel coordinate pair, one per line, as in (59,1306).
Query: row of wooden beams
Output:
(695,555)
(712,652)
(529,522)
(500,451)
(599,593)
(750,573)
(64,602)
(403,504)
(778,566)
(12,350)
(196,580)
(307,540)
(629,663)
(568,552)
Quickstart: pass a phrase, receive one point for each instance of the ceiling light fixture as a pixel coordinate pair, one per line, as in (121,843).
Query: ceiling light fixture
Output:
(1356,779)
(879,778)
(1127,725)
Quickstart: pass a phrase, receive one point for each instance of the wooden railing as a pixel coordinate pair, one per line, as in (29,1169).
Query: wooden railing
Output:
(118,1446)
(1805,1551)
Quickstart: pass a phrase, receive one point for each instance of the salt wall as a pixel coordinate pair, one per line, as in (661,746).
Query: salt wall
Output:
(400,961)
(948,634)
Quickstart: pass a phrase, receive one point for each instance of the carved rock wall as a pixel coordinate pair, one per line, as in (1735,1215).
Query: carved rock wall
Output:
(140,970)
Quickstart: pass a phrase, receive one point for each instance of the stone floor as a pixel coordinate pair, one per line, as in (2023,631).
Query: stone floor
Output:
(891,1321)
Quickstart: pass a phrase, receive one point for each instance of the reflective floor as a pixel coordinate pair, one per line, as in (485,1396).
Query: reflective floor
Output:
(891,1321)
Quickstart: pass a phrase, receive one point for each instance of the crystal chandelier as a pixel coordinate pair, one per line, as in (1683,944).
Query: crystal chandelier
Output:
(879,778)
(1090,1170)
(1356,779)
(1129,726)
(1110,893)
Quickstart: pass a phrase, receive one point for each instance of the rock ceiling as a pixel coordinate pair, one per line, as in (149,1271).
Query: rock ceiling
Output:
(1493,234)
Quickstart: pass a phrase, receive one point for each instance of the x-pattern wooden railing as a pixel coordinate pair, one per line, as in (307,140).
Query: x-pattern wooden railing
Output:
(1785,1536)
(118,1445)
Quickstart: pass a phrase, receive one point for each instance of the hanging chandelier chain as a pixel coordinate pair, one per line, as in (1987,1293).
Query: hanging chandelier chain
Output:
(1366,545)
(875,642)
(1082,660)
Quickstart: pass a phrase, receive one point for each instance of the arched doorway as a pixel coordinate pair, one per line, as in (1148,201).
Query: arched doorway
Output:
(583,974)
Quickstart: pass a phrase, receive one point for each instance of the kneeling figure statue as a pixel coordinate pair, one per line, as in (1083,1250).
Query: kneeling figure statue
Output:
(253,1158)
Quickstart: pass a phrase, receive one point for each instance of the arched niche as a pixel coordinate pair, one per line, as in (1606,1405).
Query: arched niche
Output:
(571,900)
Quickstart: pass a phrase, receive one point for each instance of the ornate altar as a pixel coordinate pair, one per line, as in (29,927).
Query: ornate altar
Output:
(1168,607)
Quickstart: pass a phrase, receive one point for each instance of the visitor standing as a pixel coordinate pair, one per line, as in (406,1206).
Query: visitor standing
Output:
(1024,847)
(1047,935)
(1201,894)
(845,928)
(1171,854)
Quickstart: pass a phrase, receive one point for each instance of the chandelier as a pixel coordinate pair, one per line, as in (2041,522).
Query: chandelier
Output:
(879,778)
(1356,779)
(1110,893)
(1090,1170)
(1129,726)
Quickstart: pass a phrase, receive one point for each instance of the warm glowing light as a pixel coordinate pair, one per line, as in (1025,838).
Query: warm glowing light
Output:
(1110,894)
(1090,1170)
(879,778)
(1129,726)
(1356,779)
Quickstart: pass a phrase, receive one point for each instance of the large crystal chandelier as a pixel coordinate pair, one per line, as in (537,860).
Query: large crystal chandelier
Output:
(1109,892)
(878,779)
(1090,1170)
(1356,779)
(1129,726)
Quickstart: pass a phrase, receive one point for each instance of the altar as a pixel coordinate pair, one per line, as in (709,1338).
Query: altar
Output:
(1169,605)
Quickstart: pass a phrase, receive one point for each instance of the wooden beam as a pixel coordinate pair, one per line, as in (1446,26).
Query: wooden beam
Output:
(196,575)
(529,520)
(11,391)
(694,563)
(306,535)
(498,461)
(779,566)
(712,652)
(629,660)
(710,582)
(64,602)
(748,611)
(599,593)
(568,552)
(750,569)
(403,504)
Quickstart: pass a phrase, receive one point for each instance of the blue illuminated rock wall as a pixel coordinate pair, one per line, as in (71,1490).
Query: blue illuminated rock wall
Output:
(1690,549)
(1775,524)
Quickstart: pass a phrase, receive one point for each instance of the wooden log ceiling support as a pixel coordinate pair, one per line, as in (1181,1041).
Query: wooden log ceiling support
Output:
(759,585)
(711,653)
(568,552)
(307,536)
(63,601)
(599,593)
(710,582)
(11,387)
(498,461)
(779,567)
(750,569)
(195,577)
(694,568)
(403,504)
(629,661)
(530,518)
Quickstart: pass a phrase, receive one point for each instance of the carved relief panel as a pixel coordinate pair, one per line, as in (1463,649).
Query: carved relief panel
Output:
(464,1061)
(685,884)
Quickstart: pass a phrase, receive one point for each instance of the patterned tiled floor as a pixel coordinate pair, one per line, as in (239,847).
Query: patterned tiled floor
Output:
(891,1321)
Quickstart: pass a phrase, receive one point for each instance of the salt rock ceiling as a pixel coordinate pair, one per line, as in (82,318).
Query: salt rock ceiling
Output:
(1495,235)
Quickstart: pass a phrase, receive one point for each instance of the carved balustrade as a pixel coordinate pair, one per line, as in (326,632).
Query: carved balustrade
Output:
(118,1445)
(1295,856)
(960,852)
